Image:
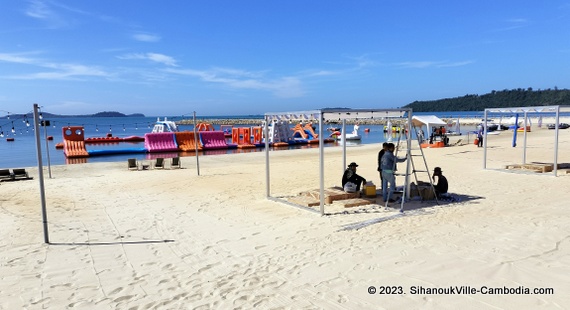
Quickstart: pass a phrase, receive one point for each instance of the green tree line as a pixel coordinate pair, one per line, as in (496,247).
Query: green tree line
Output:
(495,99)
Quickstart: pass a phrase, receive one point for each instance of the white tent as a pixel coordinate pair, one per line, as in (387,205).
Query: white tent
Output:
(324,115)
(428,120)
(525,111)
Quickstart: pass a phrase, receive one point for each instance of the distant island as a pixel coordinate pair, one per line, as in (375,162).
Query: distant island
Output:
(495,99)
(115,114)
(98,114)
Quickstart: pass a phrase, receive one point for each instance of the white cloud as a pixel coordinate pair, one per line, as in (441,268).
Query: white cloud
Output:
(160,58)
(456,64)
(432,64)
(41,10)
(418,64)
(16,58)
(514,23)
(285,87)
(145,37)
(59,70)
(38,9)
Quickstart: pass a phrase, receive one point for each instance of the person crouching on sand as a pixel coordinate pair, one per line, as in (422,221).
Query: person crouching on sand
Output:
(350,180)
(441,186)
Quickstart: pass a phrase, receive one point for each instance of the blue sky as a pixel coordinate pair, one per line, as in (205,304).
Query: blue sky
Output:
(253,56)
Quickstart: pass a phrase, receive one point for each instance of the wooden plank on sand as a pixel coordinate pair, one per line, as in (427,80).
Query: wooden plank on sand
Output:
(542,168)
(355,202)
(332,194)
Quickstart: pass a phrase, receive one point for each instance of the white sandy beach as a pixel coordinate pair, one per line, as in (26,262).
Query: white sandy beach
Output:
(228,247)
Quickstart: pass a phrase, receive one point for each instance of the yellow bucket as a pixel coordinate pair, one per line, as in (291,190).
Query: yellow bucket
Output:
(370,190)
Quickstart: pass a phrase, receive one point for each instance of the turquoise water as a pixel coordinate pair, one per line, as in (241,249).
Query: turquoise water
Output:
(22,151)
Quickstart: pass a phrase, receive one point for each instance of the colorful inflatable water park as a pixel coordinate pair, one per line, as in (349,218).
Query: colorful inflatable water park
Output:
(165,137)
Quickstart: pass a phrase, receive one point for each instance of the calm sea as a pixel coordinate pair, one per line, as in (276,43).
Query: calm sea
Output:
(22,151)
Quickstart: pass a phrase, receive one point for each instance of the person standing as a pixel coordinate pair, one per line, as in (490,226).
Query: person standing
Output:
(480,137)
(380,154)
(388,166)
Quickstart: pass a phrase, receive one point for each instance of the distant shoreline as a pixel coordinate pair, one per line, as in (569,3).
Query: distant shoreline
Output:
(462,121)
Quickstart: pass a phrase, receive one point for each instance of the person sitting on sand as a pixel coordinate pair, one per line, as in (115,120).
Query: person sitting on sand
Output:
(388,166)
(441,186)
(350,180)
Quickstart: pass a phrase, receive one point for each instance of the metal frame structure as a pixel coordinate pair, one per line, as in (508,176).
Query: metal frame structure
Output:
(329,114)
(525,110)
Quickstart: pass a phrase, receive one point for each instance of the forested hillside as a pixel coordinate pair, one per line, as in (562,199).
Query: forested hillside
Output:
(496,99)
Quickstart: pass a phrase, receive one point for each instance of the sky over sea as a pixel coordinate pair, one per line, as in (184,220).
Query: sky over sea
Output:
(256,56)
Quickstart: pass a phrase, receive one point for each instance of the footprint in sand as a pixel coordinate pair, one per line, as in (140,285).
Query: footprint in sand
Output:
(341,299)
(61,285)
(40,301)
(123,298)
(116,291)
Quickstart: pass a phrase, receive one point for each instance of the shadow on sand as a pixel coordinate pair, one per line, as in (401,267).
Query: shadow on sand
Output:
(411,208)
(111,243)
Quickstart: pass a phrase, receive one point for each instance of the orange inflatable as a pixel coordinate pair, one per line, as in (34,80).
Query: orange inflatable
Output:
(204,127)
(257,135)
(74,142)
(186,141)
(242,137)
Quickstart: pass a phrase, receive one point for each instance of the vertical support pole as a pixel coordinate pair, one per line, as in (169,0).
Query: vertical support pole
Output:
(343,139)
(524,137)
(41,173)
(322,163)
(267,178)
(409,154)
(556,129)
(485,140)
(196,145)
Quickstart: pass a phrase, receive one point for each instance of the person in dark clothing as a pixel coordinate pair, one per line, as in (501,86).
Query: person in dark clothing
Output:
(350,180)
(380,154)
(441,186)
(480,137)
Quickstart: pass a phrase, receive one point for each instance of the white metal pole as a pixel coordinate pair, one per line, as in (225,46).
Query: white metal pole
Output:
(555,168)
(321,163)
(524,138)
(409,154)
(343,139)
(196,145)
(485,140)
(267,178)
(41,173)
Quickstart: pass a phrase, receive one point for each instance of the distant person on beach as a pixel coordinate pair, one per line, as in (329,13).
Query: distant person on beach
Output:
(432,136)
(480,137)
(441,186)
(421,136)
(388,166)
(380,154)
(350,180)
